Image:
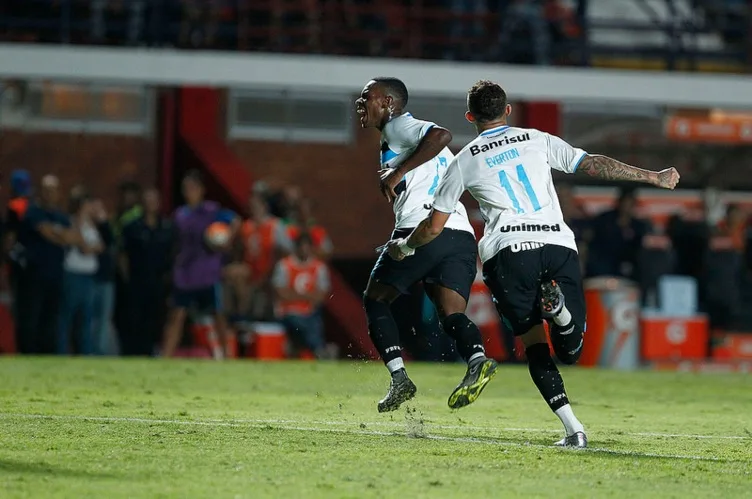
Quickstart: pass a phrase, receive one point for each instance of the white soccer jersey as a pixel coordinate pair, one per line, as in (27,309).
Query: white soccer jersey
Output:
(508,171)
(399,139)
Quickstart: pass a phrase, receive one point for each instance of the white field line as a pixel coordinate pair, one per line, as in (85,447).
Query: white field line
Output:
(419,435)
(387,424)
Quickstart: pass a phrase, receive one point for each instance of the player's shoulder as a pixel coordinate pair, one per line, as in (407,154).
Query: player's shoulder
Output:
(404,123)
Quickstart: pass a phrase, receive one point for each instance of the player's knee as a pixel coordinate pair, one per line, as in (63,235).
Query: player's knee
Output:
(455,322)
(374,307)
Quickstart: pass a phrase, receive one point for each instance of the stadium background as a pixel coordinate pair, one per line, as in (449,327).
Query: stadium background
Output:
(258,95)
(263,91)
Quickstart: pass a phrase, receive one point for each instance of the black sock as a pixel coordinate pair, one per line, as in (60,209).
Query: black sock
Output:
(383,329)
(546,375)
(567,341)
(465,334)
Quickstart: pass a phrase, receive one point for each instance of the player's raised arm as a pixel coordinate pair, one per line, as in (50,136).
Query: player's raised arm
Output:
(432,143)
(607,168)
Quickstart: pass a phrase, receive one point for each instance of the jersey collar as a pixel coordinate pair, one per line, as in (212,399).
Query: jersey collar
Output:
(494,130)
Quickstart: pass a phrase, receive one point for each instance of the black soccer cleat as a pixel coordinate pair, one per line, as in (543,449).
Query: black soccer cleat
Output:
(552,299)
(476,378)
(576,441)
(401,389)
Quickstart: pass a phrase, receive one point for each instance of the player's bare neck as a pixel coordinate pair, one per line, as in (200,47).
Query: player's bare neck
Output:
(396,113)
(482,127)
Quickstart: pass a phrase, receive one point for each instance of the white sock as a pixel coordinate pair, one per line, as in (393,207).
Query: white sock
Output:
(570,421)
(478,355)
(395,364)
(564,317)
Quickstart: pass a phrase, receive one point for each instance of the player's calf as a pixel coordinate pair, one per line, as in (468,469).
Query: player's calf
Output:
(480,369)
(547,378)
(566,334)
(385,337)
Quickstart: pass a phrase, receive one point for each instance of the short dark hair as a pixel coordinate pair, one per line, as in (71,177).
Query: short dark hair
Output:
(194,176)
(79,195)
(486,101)
(394,87)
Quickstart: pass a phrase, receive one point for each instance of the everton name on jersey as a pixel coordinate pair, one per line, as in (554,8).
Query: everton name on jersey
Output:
(399,139)
(508,171)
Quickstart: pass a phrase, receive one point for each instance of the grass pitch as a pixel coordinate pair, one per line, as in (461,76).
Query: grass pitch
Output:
(109,428)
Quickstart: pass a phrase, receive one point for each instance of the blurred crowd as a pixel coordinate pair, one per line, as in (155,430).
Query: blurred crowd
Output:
(714,250)
(87,281)
(521,31)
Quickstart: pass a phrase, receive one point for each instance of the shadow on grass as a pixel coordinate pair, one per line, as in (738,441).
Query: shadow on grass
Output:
(40,468)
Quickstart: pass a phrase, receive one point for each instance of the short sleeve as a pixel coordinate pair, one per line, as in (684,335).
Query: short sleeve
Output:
(406,133)
(562,156)
(450,189)
(323,282)
(279,276)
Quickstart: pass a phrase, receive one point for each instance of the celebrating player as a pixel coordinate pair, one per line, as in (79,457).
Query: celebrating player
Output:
(529,254)
(414,157)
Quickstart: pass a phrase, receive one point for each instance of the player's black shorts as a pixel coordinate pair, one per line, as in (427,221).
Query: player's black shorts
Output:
(514,279)
(450,261)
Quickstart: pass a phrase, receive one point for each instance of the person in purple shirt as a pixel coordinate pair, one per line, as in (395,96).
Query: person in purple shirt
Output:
(197,271)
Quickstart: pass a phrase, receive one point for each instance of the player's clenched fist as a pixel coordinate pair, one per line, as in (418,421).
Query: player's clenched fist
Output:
(668,178)
(398,249)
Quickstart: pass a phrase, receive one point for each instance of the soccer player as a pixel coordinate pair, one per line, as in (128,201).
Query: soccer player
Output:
(529,254)
(414,157)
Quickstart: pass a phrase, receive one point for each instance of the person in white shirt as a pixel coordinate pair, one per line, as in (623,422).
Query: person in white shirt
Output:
(529,254)
(80,265)
(414,158)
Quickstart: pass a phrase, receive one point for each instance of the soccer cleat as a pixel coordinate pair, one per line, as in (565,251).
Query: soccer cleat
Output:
(552,300)
(576,441)
(401,389)
(476,378)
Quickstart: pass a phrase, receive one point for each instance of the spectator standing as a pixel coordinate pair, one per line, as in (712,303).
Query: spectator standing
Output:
(129,209)
(198,267)
(265,240)
(20,191)
(105,342)
(80,265)
(303,222)
(617,238)
(145,262)
(301,283)
(44,234)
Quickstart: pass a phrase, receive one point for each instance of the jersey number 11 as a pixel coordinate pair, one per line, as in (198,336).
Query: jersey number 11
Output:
(522,177)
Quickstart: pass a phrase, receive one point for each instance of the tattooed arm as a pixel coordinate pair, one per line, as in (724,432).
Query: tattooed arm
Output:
(607,168)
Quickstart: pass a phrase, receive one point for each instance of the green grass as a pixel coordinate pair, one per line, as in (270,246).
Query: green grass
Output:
(116,428)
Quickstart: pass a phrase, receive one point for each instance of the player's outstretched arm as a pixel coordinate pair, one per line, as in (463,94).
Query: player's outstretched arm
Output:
(428,230)
(432,143)
(607,168)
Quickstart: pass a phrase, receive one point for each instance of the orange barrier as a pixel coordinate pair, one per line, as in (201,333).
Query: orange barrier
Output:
(732,346)
(612,336)
(674,338)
